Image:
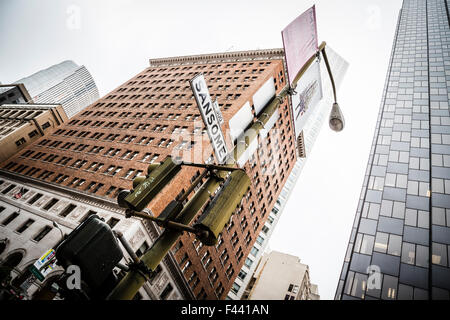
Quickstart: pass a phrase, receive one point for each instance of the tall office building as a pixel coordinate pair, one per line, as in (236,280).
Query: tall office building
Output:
(400,241)
(312,128)
(154,115)
(65,83)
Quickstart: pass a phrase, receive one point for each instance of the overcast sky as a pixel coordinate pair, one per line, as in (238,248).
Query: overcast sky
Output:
(115,39)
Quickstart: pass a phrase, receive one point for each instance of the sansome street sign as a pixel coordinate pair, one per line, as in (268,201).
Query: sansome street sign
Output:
(209,116)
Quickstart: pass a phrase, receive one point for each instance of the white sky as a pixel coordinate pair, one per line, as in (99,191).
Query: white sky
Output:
(115,39)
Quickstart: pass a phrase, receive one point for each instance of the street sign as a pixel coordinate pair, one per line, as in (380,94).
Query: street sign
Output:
(300,42)
(44,265)
(209,116)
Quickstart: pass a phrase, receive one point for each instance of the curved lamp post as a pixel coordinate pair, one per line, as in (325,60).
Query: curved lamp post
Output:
(337,122)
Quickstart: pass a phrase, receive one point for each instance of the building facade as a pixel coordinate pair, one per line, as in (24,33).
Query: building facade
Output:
(281,276)
(154,115)
(66,83)
(400,240)
(14,93)
(310,133)
(28,209)
(22,124)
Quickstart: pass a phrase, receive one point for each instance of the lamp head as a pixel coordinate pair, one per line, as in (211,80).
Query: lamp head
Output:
(337,122)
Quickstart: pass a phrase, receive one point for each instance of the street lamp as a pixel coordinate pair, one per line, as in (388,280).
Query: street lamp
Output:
(337,122)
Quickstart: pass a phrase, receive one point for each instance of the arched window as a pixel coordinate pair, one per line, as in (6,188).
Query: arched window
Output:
(9,264)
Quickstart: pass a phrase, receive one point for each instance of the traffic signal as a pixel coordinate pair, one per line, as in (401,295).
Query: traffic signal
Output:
(93,247)
(219,211)
(146,188)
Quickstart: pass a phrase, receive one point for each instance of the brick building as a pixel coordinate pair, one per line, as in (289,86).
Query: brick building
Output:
(154,115)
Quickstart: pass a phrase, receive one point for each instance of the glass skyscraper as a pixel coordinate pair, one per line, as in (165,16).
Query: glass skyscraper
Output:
(400,242)
(65,83)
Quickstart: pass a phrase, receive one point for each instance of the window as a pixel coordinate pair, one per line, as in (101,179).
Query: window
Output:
(112,222)
(50,204)
(8,189)
(35,198)
(367,244)
(20,142)
(248,262)
(389,288)
(395,244)
(381,242)
(439,254)
(11,217)
(33,133)
(25,226)
(260,240)
(359,285)
(110,190)
(129,173)
(242,274)
(167,290)
(177,247)
(235,288)
(421,256)
(409,253)
(206,260)
(254,251)
(186,266)
(142,249)
(67,210)
(42,233)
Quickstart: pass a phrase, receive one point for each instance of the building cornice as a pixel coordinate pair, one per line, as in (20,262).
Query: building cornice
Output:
(251,55)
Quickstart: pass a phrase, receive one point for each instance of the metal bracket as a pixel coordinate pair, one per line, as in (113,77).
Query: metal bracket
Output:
(141,268)
(318,56)
(292,91)
(167,224)
(210,167)
(260,122)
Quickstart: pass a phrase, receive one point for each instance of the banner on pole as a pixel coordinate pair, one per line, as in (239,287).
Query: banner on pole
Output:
(308,95)
(300,42)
